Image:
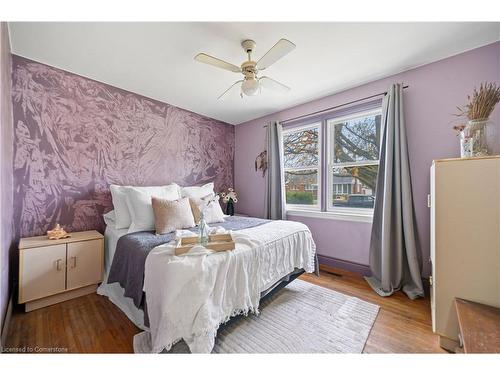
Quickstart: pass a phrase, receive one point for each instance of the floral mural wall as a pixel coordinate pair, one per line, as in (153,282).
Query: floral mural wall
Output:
(75,136)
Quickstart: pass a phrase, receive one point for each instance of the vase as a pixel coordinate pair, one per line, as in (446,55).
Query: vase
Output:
(203,228)
(230,208)
(476,139)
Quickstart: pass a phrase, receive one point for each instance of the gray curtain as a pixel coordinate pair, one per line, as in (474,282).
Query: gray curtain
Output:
(395,260)
(274,195)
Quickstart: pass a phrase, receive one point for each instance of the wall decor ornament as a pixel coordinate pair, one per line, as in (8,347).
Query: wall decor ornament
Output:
(261,162)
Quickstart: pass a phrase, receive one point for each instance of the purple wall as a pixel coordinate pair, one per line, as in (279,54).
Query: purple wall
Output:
(75,136)
(430,102)
(6,200)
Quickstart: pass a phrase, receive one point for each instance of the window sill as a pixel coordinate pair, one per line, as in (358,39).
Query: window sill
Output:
(344,216)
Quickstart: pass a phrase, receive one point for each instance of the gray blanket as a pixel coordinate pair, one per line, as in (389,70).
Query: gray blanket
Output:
(132,249)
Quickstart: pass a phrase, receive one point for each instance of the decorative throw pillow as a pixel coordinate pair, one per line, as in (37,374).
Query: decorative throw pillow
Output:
(172,215)
(198,191)
(213,212)
(140,208)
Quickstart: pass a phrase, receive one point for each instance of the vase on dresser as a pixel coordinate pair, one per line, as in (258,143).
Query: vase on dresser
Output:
(477,138)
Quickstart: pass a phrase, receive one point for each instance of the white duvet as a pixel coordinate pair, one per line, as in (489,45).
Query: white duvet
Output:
(188,297)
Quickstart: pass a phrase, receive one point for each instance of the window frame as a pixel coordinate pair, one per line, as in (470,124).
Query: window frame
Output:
(310,125)
(331,122)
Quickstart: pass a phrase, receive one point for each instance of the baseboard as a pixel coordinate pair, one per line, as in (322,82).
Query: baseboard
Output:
(61,297)
(6,323)
(358,268)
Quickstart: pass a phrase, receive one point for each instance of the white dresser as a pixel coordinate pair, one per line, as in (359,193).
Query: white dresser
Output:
(465,239)
(52,271)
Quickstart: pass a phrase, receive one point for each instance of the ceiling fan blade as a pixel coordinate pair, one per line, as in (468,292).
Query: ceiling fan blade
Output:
(231,88)
(210,60)
(272,84)
(279,50)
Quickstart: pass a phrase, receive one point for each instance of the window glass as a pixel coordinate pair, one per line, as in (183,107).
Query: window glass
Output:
(301,148)
(357,139)
(354,186)
(301,187)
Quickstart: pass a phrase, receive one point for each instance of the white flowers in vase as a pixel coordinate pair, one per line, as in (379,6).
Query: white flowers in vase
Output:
(230,195)
(229,199)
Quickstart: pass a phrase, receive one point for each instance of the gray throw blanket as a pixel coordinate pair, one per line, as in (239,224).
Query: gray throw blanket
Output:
(132,250)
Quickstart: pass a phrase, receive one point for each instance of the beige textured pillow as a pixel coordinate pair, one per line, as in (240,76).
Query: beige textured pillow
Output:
(172,215)
(213,213)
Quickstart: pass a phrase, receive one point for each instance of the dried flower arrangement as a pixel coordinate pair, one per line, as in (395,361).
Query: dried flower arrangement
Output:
(473,135)
(482,102)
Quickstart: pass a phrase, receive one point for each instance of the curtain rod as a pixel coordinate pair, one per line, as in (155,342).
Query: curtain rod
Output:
(337,106)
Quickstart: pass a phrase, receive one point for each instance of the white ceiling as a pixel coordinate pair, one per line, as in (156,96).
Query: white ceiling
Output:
(156,59)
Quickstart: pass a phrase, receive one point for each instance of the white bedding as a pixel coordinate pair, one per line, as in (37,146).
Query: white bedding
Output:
(189,296)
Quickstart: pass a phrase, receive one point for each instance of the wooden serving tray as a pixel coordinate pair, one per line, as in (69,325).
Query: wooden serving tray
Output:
(216,242)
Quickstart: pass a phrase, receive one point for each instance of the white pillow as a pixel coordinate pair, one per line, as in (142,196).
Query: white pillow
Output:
(198,191)
(213,212)
(110,218)
(140,207)
(122,214)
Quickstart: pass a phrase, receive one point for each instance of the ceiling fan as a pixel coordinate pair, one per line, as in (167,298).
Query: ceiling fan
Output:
(251,84)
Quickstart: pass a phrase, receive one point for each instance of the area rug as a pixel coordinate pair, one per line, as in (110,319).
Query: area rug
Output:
(301,318)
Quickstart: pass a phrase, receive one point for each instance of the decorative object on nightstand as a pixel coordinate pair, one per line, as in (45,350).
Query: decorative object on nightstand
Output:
(52,271)
(57,233)
(477,136)
(230,198)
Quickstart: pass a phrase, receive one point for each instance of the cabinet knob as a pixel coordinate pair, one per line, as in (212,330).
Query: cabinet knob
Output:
(74,262)
(58,264)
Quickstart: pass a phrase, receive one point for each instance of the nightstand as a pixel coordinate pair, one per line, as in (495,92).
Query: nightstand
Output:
(52,271)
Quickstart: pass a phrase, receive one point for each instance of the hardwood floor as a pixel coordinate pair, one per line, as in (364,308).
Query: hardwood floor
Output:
(92,324)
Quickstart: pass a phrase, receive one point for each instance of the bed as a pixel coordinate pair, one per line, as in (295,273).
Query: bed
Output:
(173,298)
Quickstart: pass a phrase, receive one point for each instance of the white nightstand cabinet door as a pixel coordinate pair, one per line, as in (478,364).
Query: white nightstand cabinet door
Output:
(84,263)
(42,272)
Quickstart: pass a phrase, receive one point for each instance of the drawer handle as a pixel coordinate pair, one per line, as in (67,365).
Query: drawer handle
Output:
(58,264)
(74,262)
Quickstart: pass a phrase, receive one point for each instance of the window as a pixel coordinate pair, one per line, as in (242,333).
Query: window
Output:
(301,150)
(348,166)
(353,153)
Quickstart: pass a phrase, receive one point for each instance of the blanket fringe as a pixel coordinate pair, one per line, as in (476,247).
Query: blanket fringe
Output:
(212,332)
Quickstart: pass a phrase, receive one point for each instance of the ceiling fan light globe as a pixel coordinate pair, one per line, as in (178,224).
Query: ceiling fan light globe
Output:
(250,87)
